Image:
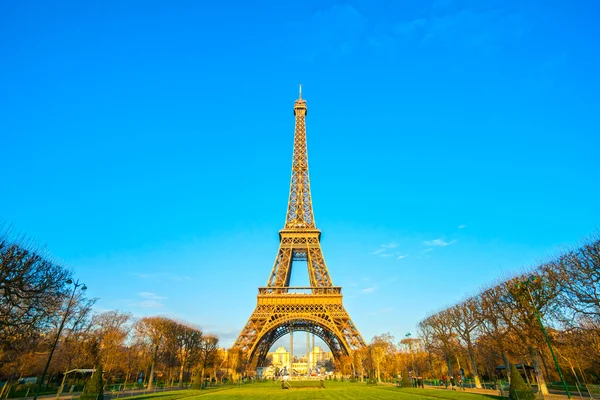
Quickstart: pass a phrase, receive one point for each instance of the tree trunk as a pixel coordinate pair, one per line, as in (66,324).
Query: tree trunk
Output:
(449,364)
(474,366)
(151,377)
(525,372)
(181,374)
(430,362)
(545,366)
(539,375)
(506,365)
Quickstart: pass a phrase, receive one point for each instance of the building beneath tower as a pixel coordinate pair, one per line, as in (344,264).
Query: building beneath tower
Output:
(280,361)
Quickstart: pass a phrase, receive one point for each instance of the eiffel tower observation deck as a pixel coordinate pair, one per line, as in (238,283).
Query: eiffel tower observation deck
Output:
(283,309)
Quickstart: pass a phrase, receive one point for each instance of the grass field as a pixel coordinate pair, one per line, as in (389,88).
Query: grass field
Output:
(332,390)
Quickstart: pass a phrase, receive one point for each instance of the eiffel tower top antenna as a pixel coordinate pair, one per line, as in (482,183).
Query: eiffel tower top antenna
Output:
(300,95)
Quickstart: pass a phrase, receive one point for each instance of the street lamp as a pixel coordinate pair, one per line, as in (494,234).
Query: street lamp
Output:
(526,283)
(62,324)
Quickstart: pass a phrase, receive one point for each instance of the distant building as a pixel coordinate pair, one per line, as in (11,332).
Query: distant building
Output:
(281,358)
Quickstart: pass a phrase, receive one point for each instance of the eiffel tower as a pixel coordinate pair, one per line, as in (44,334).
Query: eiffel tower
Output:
(283,309)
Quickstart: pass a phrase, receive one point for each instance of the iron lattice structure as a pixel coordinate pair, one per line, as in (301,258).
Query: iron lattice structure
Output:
(316,309)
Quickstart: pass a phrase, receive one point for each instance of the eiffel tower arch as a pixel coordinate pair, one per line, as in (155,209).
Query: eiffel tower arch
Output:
(283,309)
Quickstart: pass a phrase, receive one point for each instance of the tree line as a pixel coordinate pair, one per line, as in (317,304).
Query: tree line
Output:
(34,299)
(502,324)
(485,334)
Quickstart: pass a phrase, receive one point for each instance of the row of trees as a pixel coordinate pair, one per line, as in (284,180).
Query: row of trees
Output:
(383,359)
(34,298)
(502,324)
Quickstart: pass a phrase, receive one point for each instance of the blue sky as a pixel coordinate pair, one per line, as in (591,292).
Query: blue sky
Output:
(147,145)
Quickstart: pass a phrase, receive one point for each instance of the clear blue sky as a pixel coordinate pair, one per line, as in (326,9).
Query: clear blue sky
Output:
(147,145)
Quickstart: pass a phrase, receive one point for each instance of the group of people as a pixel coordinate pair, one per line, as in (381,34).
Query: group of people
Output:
(452,382)
(417,382)
(449,382)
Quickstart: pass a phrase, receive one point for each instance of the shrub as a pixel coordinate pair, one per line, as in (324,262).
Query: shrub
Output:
(519,390)
(406,380)
(94,390)
(197,382)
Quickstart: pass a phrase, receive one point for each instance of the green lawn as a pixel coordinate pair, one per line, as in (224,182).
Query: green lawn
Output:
(332,390)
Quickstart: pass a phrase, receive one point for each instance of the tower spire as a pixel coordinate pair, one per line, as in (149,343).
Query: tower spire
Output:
(299,238)
(300,212)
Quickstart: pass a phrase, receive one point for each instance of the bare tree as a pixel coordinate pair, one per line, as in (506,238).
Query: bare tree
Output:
(152,330)
(492,313)
(32,289)
(530,298)
(426,334)
(208,349)
(463,319)
(189,342)
(577,274)
(382,346)
(111,329)
(443,334)
(360,358)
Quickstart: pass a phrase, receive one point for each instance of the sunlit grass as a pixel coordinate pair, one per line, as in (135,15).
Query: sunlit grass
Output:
(299,391)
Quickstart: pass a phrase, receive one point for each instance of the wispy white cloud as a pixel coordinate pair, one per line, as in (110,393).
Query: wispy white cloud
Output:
(386,250)
(426,250)
(149,300)
(385,247)
(438,242)
(369,289)
(151,296)
(462,226)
